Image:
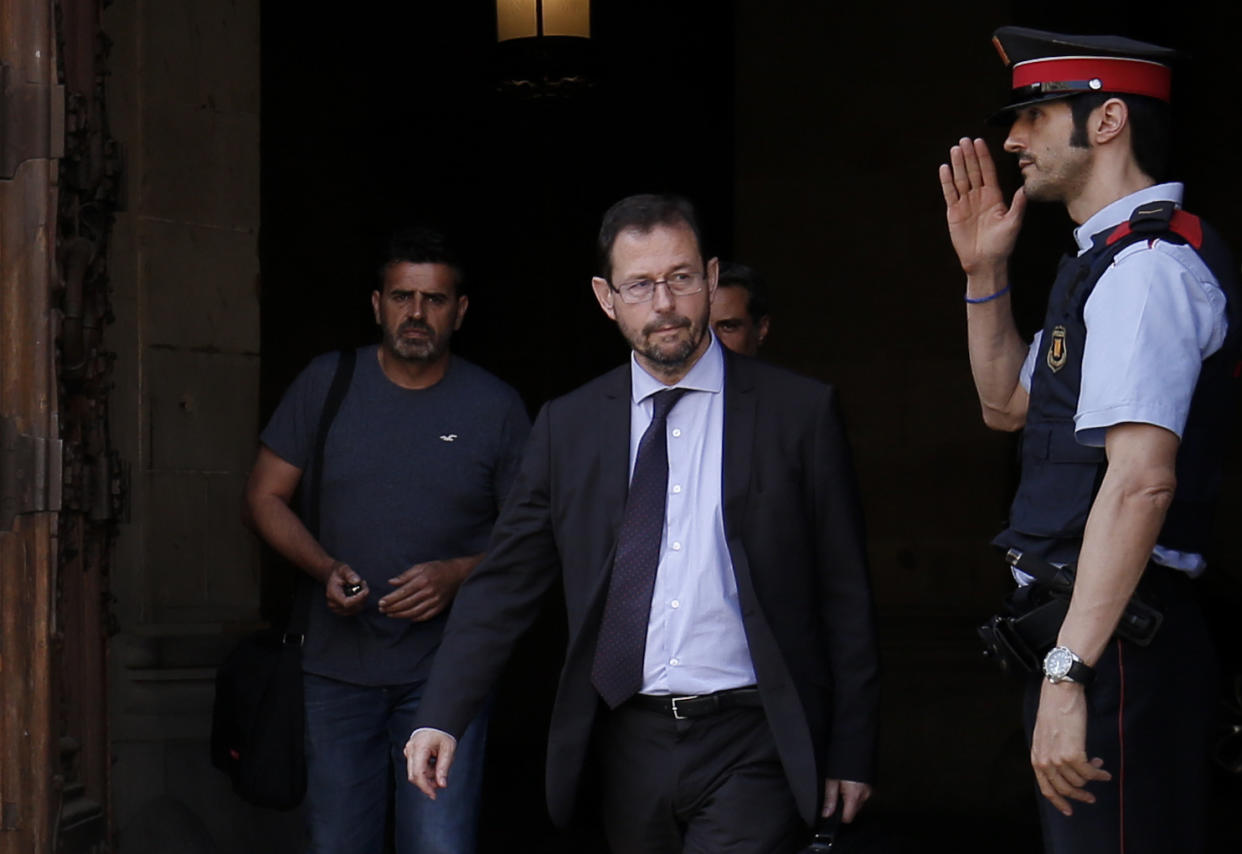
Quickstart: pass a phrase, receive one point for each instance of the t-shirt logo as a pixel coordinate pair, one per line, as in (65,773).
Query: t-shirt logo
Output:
(1057,353)
(449,437)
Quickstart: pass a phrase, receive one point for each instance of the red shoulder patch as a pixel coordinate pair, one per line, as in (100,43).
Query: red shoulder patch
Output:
(1182,223)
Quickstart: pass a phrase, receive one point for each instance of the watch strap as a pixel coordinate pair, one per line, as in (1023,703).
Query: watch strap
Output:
(1080,673)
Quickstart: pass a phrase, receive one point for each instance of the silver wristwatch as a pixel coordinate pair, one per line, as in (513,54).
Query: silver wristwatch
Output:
(1061,664)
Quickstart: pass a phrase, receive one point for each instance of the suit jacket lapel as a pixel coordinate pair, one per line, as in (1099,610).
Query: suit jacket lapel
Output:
(739,437)
(614,454)
(613,467)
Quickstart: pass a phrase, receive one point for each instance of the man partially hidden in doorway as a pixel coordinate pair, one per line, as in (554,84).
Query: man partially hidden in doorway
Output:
(416,465)
(740,315)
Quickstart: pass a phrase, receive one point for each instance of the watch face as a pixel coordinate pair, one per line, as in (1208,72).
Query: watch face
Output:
(1057,663)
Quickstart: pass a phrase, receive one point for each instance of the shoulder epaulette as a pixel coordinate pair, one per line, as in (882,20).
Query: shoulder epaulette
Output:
(1160,218)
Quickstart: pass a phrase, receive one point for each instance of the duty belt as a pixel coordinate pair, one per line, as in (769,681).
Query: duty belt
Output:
(1018,639)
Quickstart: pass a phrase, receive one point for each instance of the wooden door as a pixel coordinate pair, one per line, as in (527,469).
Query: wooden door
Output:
(60,484)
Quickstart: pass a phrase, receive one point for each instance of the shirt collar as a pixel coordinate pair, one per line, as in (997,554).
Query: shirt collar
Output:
(706,375)
(1115,214)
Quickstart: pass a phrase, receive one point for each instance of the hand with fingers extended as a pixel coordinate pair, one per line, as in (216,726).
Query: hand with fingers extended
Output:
(982,227)
(428,757)
(1058,747)
(423,590)
(345,590)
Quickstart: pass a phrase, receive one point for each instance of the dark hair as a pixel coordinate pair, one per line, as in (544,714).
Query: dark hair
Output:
(735,275)
(1150,128)
(422,245)
(643,212)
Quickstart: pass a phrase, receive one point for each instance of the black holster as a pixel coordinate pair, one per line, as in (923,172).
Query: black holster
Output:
(1018,638)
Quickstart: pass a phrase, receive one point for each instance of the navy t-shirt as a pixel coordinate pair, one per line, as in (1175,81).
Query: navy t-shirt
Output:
(409,476)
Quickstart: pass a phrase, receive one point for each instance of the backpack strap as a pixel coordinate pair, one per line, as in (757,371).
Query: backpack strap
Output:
(332,405)
(341,380)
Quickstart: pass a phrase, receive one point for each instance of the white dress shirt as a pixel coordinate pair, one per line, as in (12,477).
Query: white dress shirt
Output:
(696,643)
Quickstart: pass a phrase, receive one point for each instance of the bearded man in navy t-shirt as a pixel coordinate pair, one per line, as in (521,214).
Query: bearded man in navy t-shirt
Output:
(416,464)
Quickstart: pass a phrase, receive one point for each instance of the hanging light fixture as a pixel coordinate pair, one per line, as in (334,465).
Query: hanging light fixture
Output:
(544,49)
(524,19)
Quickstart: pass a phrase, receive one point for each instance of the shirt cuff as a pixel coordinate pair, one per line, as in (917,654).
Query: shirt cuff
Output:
(433,729)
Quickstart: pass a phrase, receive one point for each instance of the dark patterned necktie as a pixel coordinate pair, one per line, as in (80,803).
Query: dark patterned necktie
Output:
(617,672)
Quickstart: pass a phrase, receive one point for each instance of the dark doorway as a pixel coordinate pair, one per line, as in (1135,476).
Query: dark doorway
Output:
(392,113)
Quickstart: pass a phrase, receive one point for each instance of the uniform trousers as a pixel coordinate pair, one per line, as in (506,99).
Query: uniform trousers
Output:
(1149,717)
(705,785)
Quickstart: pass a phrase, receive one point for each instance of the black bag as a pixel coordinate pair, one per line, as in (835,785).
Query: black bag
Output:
(258,719)
(867,834)
(824,837)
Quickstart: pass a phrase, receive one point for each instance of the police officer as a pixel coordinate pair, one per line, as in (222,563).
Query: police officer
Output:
(1123,397)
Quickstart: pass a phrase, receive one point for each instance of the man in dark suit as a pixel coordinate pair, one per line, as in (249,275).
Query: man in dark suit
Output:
(700,510)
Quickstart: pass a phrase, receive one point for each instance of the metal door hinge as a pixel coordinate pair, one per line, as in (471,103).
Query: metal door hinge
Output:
(29,473)
(32,121)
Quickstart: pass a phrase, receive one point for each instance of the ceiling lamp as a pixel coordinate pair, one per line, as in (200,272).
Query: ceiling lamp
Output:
(528,19)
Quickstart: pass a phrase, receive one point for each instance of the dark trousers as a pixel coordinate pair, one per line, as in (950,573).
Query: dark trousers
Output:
(709,785)
(1149,716)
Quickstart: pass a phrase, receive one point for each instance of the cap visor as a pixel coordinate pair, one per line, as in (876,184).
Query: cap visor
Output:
(1004,115)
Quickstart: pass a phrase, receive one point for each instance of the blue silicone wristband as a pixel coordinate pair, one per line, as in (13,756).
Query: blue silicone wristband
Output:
(989,297)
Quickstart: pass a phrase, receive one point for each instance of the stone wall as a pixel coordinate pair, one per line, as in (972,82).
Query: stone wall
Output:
(184,102)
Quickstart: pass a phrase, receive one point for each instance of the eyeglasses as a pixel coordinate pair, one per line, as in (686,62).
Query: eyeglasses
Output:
(678,284)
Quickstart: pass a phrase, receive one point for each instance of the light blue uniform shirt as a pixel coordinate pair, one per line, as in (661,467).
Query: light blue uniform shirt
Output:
(696,643)
(1152,319)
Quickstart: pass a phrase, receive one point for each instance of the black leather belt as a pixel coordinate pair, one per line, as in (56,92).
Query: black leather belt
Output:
(697,705)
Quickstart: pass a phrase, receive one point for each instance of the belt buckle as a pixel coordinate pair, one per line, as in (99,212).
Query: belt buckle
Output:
(674,700)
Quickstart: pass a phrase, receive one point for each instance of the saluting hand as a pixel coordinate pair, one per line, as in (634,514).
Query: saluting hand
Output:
(982,227)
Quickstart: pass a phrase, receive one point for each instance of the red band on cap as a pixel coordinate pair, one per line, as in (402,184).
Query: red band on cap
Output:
(1116,74)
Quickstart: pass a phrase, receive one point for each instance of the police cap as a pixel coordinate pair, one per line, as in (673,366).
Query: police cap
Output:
(1047,66)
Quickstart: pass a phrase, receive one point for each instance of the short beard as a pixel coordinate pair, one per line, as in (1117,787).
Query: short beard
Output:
(1065,184)
(426,351)
(674,359)
(669,361)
